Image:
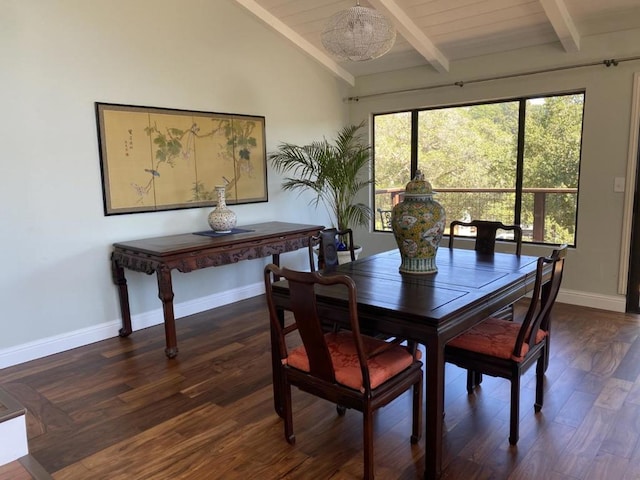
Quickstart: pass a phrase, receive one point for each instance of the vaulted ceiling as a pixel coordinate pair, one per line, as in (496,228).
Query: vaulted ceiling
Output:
(439,32)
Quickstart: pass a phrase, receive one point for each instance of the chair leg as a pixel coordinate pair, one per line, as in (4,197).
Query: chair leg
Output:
(367,428)
(514,420)
(416,433)
(288,414)
(473,380)
(547,349)
(541,366)
(341,409)
(470,381)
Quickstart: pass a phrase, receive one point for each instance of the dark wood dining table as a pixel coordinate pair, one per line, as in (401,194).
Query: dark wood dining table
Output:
(427,308)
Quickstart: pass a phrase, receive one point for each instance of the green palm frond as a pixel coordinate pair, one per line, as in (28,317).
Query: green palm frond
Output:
(334,172)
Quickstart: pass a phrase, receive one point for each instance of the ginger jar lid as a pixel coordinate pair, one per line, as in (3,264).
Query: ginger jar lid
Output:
(419,187)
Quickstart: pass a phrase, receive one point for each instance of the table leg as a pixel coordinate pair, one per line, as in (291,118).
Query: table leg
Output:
(434,410)
(165,293)
(275,259)
(117,273)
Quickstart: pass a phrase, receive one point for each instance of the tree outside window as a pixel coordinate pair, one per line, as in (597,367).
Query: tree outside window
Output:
(515,161)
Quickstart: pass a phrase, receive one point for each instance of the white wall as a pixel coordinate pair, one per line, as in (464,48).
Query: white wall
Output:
(61,56)
(592,270)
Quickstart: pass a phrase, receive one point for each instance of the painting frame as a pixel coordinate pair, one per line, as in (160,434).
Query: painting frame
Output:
(158,159)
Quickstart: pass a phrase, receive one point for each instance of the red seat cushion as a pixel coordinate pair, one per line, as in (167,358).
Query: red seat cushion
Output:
(346,364)
(494,337)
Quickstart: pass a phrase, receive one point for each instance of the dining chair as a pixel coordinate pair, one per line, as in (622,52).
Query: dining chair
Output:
(345,367)
(486,233)
(327,249)
(385,218)
(507,349)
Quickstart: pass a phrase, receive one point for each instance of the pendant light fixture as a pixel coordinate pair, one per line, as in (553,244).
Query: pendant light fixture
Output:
(358,34)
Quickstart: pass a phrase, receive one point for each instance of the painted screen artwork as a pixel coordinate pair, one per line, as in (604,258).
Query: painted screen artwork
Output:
(162,159)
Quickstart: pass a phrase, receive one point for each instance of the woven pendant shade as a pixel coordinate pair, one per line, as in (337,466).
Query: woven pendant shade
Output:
(358,34)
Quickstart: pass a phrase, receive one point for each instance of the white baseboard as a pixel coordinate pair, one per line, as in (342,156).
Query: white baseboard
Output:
(613,303)
(78,338)
(60,343)
(155,317)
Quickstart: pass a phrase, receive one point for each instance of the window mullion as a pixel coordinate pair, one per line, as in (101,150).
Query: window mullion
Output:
(414,143)
(517,207)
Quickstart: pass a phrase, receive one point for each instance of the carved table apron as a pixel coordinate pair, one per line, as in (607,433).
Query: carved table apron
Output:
(187,252)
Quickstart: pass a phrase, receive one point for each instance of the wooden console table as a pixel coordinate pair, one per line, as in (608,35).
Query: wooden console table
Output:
(189,251)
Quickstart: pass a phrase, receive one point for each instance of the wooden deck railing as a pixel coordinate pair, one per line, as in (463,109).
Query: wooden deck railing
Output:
(475,202)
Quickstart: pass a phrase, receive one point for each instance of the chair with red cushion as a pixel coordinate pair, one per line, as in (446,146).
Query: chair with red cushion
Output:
(486,232)
(344,367)
(504,348)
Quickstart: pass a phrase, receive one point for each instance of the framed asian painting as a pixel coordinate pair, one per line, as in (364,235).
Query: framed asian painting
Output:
(156,159)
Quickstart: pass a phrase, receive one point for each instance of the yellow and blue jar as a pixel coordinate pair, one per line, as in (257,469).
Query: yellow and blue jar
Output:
(418,223)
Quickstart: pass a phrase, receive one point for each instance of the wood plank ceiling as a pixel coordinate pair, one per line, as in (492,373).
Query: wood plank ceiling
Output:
(438,32)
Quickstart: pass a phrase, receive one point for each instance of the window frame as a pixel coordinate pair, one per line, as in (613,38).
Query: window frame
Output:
(522,111)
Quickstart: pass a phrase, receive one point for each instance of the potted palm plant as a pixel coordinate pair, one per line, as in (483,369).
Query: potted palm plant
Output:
(333,171)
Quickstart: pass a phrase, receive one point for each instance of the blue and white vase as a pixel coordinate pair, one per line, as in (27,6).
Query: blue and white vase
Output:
(222,219)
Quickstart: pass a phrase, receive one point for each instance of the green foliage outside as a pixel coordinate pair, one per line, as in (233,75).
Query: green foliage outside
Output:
(476,147)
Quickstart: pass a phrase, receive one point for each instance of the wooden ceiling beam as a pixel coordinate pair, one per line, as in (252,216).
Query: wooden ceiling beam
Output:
(562,23)
(412,33)
(298,40)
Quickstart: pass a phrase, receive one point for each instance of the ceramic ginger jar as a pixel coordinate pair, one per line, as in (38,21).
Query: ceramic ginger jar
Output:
(222,219)
(418,223)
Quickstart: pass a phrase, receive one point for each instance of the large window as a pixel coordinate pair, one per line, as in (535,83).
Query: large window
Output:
(515,161)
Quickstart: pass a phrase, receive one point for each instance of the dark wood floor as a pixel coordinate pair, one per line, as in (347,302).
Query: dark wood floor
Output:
(118,409)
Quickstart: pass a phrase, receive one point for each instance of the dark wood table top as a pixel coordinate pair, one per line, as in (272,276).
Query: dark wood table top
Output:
(466,284)
(188,242)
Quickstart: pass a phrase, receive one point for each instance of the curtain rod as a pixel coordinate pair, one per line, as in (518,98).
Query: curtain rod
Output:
(607,63)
